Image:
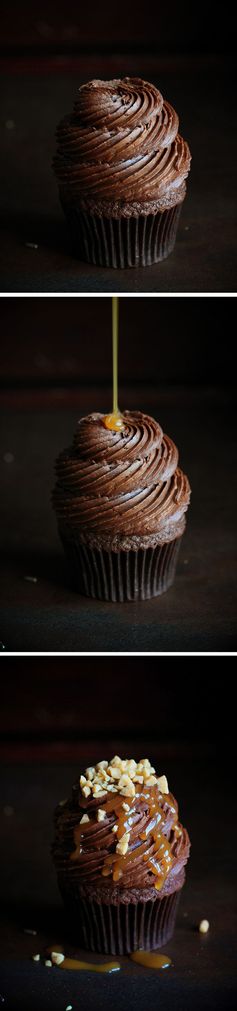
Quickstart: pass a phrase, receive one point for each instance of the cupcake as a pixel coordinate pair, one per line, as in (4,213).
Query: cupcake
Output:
(121,166)
(120,853)
(120,501)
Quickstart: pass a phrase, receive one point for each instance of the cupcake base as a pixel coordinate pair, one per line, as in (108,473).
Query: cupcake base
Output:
(121,575)
(123,242)
(118,929)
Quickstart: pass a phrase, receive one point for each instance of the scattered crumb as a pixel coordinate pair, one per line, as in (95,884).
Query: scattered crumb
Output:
(48,961)
(8,458)
(203,926)
(8,811)
(31,579)
(10,125)
(36,958)
(32,245)
(28,931)
(57,957)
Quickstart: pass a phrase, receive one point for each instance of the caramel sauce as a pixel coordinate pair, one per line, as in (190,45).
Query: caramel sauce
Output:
(114,420)
(151,959)
(76,965)
(159,862)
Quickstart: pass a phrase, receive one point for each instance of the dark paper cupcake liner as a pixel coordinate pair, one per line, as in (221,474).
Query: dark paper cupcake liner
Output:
(122,928)
(121,575)
(123,242)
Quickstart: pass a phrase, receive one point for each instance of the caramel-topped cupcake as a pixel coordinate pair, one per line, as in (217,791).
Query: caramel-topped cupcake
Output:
(120,501)
(121,166)
(120,853)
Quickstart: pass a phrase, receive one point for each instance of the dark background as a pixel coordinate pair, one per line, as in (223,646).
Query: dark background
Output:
(176,363)
(68,342)
(57,716)
(68,26)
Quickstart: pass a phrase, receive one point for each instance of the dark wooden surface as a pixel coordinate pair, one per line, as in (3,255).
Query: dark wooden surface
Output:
(203,971)
(199,612)
(36,93)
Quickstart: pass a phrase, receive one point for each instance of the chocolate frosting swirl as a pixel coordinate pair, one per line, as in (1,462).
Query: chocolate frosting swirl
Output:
(82,853)
(122,483)
(121,143)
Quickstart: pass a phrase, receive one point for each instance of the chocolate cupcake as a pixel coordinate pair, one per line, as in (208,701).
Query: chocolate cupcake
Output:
(120,853)
(120,501)
(121,166)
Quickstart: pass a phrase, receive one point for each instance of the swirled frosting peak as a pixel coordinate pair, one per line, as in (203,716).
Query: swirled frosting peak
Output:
(121,484)
(121,143)
(121,829)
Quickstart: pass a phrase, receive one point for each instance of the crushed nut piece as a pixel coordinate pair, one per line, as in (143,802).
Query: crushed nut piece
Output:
(57,957)
(86,790)
(162,784)
(204,926)
(114,772)
(36,958)
(125,806)
(101,766)
(90,772)
(101,815)
(85,817)
(97,789)
(82,780)
(122,845)
(48,961)
(151,781)
(115,828)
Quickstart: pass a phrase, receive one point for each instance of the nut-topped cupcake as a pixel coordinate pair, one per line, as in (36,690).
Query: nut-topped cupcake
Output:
(121,166)
(120,501)
(120,853)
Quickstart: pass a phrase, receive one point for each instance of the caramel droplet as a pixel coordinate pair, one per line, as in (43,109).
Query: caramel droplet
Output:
(151,959)
(76,965)
(113,422)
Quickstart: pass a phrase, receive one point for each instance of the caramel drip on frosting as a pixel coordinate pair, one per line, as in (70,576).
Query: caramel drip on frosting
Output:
(121,143)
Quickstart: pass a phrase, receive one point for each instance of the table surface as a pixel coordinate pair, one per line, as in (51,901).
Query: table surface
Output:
(203,970)
(199,612)
(35,96)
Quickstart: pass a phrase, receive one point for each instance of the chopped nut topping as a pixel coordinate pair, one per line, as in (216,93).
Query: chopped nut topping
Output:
(120,776)
(204,926)
(122,845)
(125,806)
(90,772)
(36,958)
(114,772)
(85,817)
(57,957)
(100,814)
(162,784)
(86,791)
(115,828)
(48,961)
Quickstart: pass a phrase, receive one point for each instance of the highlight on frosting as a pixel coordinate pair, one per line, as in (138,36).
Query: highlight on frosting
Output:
(121,827)
(126,481)
(121,143)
